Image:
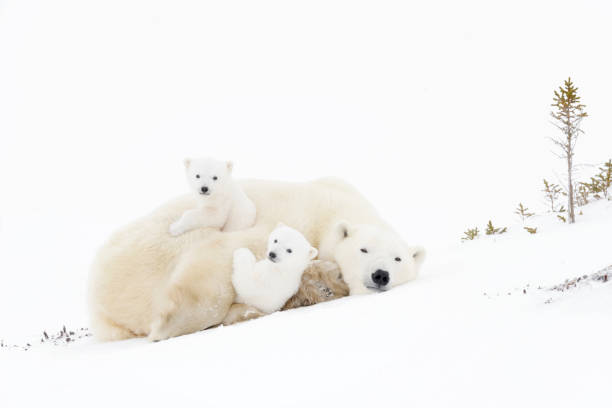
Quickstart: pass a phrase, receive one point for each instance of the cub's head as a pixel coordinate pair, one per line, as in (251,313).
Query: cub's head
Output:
(287,245)
(375,257)
(207,176)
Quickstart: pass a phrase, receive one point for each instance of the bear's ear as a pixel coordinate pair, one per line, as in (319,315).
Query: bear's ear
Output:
(230,166)
(187,162)
(312,253)
(418,253)
(343,229)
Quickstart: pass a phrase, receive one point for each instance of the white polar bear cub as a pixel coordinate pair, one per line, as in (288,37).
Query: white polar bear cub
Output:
(222,203)
(269,283)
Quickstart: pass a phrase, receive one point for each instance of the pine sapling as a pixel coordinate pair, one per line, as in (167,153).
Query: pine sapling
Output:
(594,187)
(582,195)
(492,230)
(470,234)
(523,212)
(605,178)
(568,114)
(551,193)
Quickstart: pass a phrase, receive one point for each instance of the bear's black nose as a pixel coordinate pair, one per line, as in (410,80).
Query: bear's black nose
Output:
(272,255)
(205,189)
(380,278)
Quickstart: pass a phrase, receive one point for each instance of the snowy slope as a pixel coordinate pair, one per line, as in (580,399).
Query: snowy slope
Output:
(463,334)
(437,111)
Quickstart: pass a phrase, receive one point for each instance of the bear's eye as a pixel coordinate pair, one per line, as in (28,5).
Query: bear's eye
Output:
(276,241)
(398,259)
(365,251)
(215,178)
(289,250)
(197,176)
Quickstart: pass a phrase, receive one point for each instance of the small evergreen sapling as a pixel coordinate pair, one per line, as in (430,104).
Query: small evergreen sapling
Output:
(492,230)
(551,193)
(523,212)
(582,195)
(594,187)
(568,114)
(605,178)
(470,234)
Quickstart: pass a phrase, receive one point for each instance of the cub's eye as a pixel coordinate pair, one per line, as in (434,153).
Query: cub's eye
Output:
(215,178)
(365,251)
(398,259)
(289,250)
(197,176)
(276,241)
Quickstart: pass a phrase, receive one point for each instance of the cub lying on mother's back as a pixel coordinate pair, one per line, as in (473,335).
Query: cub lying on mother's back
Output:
(221,202)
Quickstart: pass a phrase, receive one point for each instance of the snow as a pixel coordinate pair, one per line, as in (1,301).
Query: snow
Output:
(463,333)
(438,112)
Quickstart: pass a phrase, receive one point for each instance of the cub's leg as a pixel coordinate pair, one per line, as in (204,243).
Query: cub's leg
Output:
(211,217)
(243,272)
(191,219)
(244,261)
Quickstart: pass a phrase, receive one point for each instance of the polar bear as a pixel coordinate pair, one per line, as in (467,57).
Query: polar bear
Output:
(144,282)
(321,282)
(269,283)
(221,202)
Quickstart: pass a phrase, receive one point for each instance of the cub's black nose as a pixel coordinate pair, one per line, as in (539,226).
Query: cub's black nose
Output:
(380,278)
(272,255)
(205,189)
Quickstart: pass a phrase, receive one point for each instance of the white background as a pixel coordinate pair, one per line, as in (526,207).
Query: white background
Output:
(437,111)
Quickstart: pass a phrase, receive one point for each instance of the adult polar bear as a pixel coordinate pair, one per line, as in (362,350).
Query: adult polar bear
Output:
(145,282)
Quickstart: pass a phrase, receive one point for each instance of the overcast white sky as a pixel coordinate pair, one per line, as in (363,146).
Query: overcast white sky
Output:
(438,111)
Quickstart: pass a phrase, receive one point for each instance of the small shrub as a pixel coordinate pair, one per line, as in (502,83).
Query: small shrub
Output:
(551,193)
(604,178)
(582,194)
(470,234)
(492,230)
(523,212)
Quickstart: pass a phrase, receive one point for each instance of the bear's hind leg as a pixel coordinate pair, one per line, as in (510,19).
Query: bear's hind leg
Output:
(196,298)
(104,329)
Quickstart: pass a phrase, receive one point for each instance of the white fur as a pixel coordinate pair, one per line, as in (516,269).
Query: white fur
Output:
(269,283)
(223,205)
(362,250)
(145,282)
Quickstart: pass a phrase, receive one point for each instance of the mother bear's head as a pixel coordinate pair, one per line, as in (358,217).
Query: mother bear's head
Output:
(374,258)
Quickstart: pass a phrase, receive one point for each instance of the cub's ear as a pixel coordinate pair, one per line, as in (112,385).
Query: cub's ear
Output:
(187,162)
(230,166)
(419,254)
(343,229)
(313,252)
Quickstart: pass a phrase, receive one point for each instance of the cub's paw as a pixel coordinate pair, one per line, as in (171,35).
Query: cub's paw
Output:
(176,229)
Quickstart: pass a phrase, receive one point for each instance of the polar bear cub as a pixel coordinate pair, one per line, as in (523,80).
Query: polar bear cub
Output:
(221,202)
(269,283)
